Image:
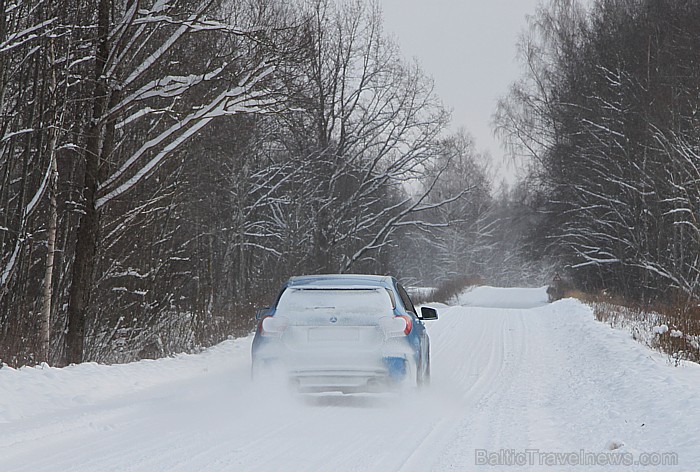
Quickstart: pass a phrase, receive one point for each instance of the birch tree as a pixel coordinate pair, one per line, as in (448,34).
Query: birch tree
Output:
(38,54)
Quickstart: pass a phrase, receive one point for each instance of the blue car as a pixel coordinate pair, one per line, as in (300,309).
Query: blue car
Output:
(343,333)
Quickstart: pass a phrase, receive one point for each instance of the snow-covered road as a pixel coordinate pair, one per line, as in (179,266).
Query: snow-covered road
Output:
(514,379)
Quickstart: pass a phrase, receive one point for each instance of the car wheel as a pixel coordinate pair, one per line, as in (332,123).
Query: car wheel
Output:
(424,374)
(427,373)
(258,371)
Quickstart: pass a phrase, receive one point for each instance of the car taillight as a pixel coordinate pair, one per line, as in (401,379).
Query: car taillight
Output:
(273,327)
(396,325)
(409,324)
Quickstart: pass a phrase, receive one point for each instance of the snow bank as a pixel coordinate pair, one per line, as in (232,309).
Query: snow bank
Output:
(34,391)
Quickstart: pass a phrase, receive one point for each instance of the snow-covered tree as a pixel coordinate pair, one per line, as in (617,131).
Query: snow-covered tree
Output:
(608,111)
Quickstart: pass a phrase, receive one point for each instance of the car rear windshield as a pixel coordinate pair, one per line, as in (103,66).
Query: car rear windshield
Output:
(365,301)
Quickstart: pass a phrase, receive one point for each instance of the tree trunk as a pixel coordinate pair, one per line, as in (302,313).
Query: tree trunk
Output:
(47,297)
(88,228)
(85,250)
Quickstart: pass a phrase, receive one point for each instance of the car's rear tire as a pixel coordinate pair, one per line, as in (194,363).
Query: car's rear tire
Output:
(424,374)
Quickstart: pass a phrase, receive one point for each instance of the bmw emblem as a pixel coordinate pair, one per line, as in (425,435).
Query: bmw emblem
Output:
(333,319)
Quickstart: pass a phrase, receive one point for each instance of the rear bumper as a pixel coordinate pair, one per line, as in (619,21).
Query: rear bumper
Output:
(336,370)
(346,379)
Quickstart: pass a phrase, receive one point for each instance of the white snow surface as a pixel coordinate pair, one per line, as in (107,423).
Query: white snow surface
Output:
(510,378)
(499,297)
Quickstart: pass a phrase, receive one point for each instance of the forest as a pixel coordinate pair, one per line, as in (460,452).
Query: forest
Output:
(165,165)
(607,114)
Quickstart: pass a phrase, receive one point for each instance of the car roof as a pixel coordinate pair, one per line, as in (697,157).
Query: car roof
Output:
(340,280)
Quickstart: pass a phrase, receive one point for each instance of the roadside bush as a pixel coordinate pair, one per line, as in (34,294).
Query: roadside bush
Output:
(671,327)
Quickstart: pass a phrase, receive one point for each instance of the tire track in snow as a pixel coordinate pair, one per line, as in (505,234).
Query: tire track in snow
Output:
(481,355)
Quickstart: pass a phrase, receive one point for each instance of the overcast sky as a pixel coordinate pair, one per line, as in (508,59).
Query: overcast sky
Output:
(469,48)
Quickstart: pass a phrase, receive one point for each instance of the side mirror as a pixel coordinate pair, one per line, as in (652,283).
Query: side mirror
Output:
(261,312)
(427,313)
